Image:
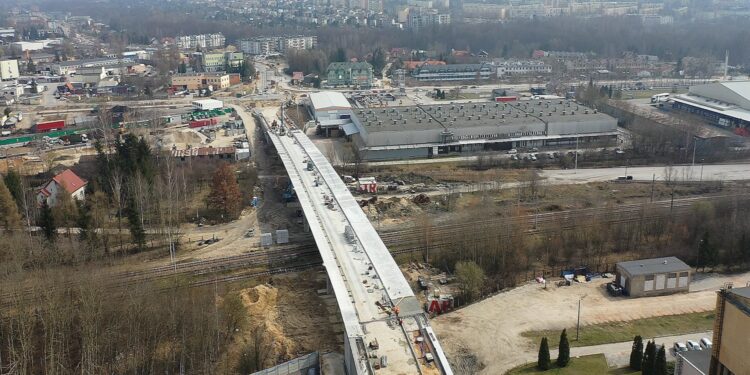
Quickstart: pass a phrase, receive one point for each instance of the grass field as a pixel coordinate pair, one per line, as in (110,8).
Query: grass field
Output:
(625,331)
(588,365)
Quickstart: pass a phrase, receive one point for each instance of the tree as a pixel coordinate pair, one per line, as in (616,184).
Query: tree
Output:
(30,66)
(470,279)
(563,356)
(661,362)
(225,193)
(706,252)
(7,111)
(378,60)
(649,359)
(543,361)
(9,216)
(137,233)
(339,55)
(182,68)
(247,72)
(15,186)
(47,222)
(636,353)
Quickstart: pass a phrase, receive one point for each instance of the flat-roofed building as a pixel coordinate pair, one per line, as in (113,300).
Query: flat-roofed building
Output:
(454,72)
(196,81)
(434,130)
(9,69)
(652,277)
(723,104)
(731,340)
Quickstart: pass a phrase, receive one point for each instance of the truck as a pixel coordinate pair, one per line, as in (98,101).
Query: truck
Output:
(47,126)
(75,138)
(201,123)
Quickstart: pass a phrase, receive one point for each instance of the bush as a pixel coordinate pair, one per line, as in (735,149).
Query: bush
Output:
(544,362)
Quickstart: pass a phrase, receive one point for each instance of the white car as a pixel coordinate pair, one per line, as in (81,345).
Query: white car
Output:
(679,347)
(692,345)
(532,157)
(512,151)
(705,343)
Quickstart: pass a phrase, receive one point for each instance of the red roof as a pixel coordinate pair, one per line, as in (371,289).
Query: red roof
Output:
(69,181)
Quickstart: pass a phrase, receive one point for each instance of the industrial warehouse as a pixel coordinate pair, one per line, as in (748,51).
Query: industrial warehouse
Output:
(434,130)
(723,104)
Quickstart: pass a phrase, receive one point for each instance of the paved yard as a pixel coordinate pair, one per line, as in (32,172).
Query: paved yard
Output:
(491,329)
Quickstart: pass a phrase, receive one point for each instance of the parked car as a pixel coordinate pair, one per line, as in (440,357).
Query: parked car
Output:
(532,157)
(679,347)
(550,155)
(706,343)
(513,157)
(692,345)
(512,151)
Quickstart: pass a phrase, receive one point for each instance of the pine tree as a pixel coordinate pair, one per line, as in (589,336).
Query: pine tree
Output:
(563,356)
(636,354)
(649,359)
(47,222)
(544,362)
(137,233)
(13,182)
(9,216)
(661,362)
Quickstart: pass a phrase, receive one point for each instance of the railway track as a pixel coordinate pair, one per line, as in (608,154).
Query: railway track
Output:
(445,236)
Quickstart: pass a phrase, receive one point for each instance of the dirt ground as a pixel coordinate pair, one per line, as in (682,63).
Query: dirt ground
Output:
(487,335)
(296,318)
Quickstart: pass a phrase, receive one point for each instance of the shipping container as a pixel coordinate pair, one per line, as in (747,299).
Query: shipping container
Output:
(202,123)
(46,126)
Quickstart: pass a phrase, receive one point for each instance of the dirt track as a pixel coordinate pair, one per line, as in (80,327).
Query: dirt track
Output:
(491,329)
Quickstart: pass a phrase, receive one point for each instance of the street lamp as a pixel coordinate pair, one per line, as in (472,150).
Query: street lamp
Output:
(701,178)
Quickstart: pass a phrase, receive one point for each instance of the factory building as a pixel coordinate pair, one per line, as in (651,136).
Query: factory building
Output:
(436,130)
(453,72)
(723,104)
(331,110)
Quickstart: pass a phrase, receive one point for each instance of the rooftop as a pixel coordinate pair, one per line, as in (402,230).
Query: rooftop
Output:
(202,151)
(742,292)
(68,180)
(328,100)
(485,114)
(93,61)
(450,68)
(655,265)
(700,359)
(349,65)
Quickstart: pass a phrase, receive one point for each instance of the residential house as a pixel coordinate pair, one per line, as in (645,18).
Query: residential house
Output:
(66,181)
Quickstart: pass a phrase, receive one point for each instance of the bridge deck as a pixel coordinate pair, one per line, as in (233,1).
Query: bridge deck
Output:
(362,273)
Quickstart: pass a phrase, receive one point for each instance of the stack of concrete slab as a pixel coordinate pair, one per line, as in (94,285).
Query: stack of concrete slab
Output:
(266,239)
(282,236)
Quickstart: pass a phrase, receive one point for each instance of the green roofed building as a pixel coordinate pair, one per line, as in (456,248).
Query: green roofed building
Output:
(357,74)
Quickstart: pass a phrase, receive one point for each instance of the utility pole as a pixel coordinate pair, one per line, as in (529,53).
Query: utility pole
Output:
(576,166)
(653,182)
(578,323)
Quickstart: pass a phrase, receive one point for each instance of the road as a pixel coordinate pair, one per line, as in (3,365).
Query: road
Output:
(711,172)
(618,354)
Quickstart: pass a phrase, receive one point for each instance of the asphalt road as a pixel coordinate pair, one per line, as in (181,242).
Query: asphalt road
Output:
(717,172)
(618,354)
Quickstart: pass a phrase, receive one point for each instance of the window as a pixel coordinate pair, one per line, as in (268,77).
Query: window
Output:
(671,280)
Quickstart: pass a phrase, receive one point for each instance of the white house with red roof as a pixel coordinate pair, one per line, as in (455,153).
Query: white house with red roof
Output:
(67,181)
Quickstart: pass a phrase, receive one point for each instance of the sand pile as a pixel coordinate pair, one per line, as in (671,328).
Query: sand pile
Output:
(261,303)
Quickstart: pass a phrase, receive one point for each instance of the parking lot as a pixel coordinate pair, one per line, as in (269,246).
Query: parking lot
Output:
(491,329)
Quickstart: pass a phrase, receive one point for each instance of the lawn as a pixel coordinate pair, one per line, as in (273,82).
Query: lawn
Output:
(625,331)
(587,365)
